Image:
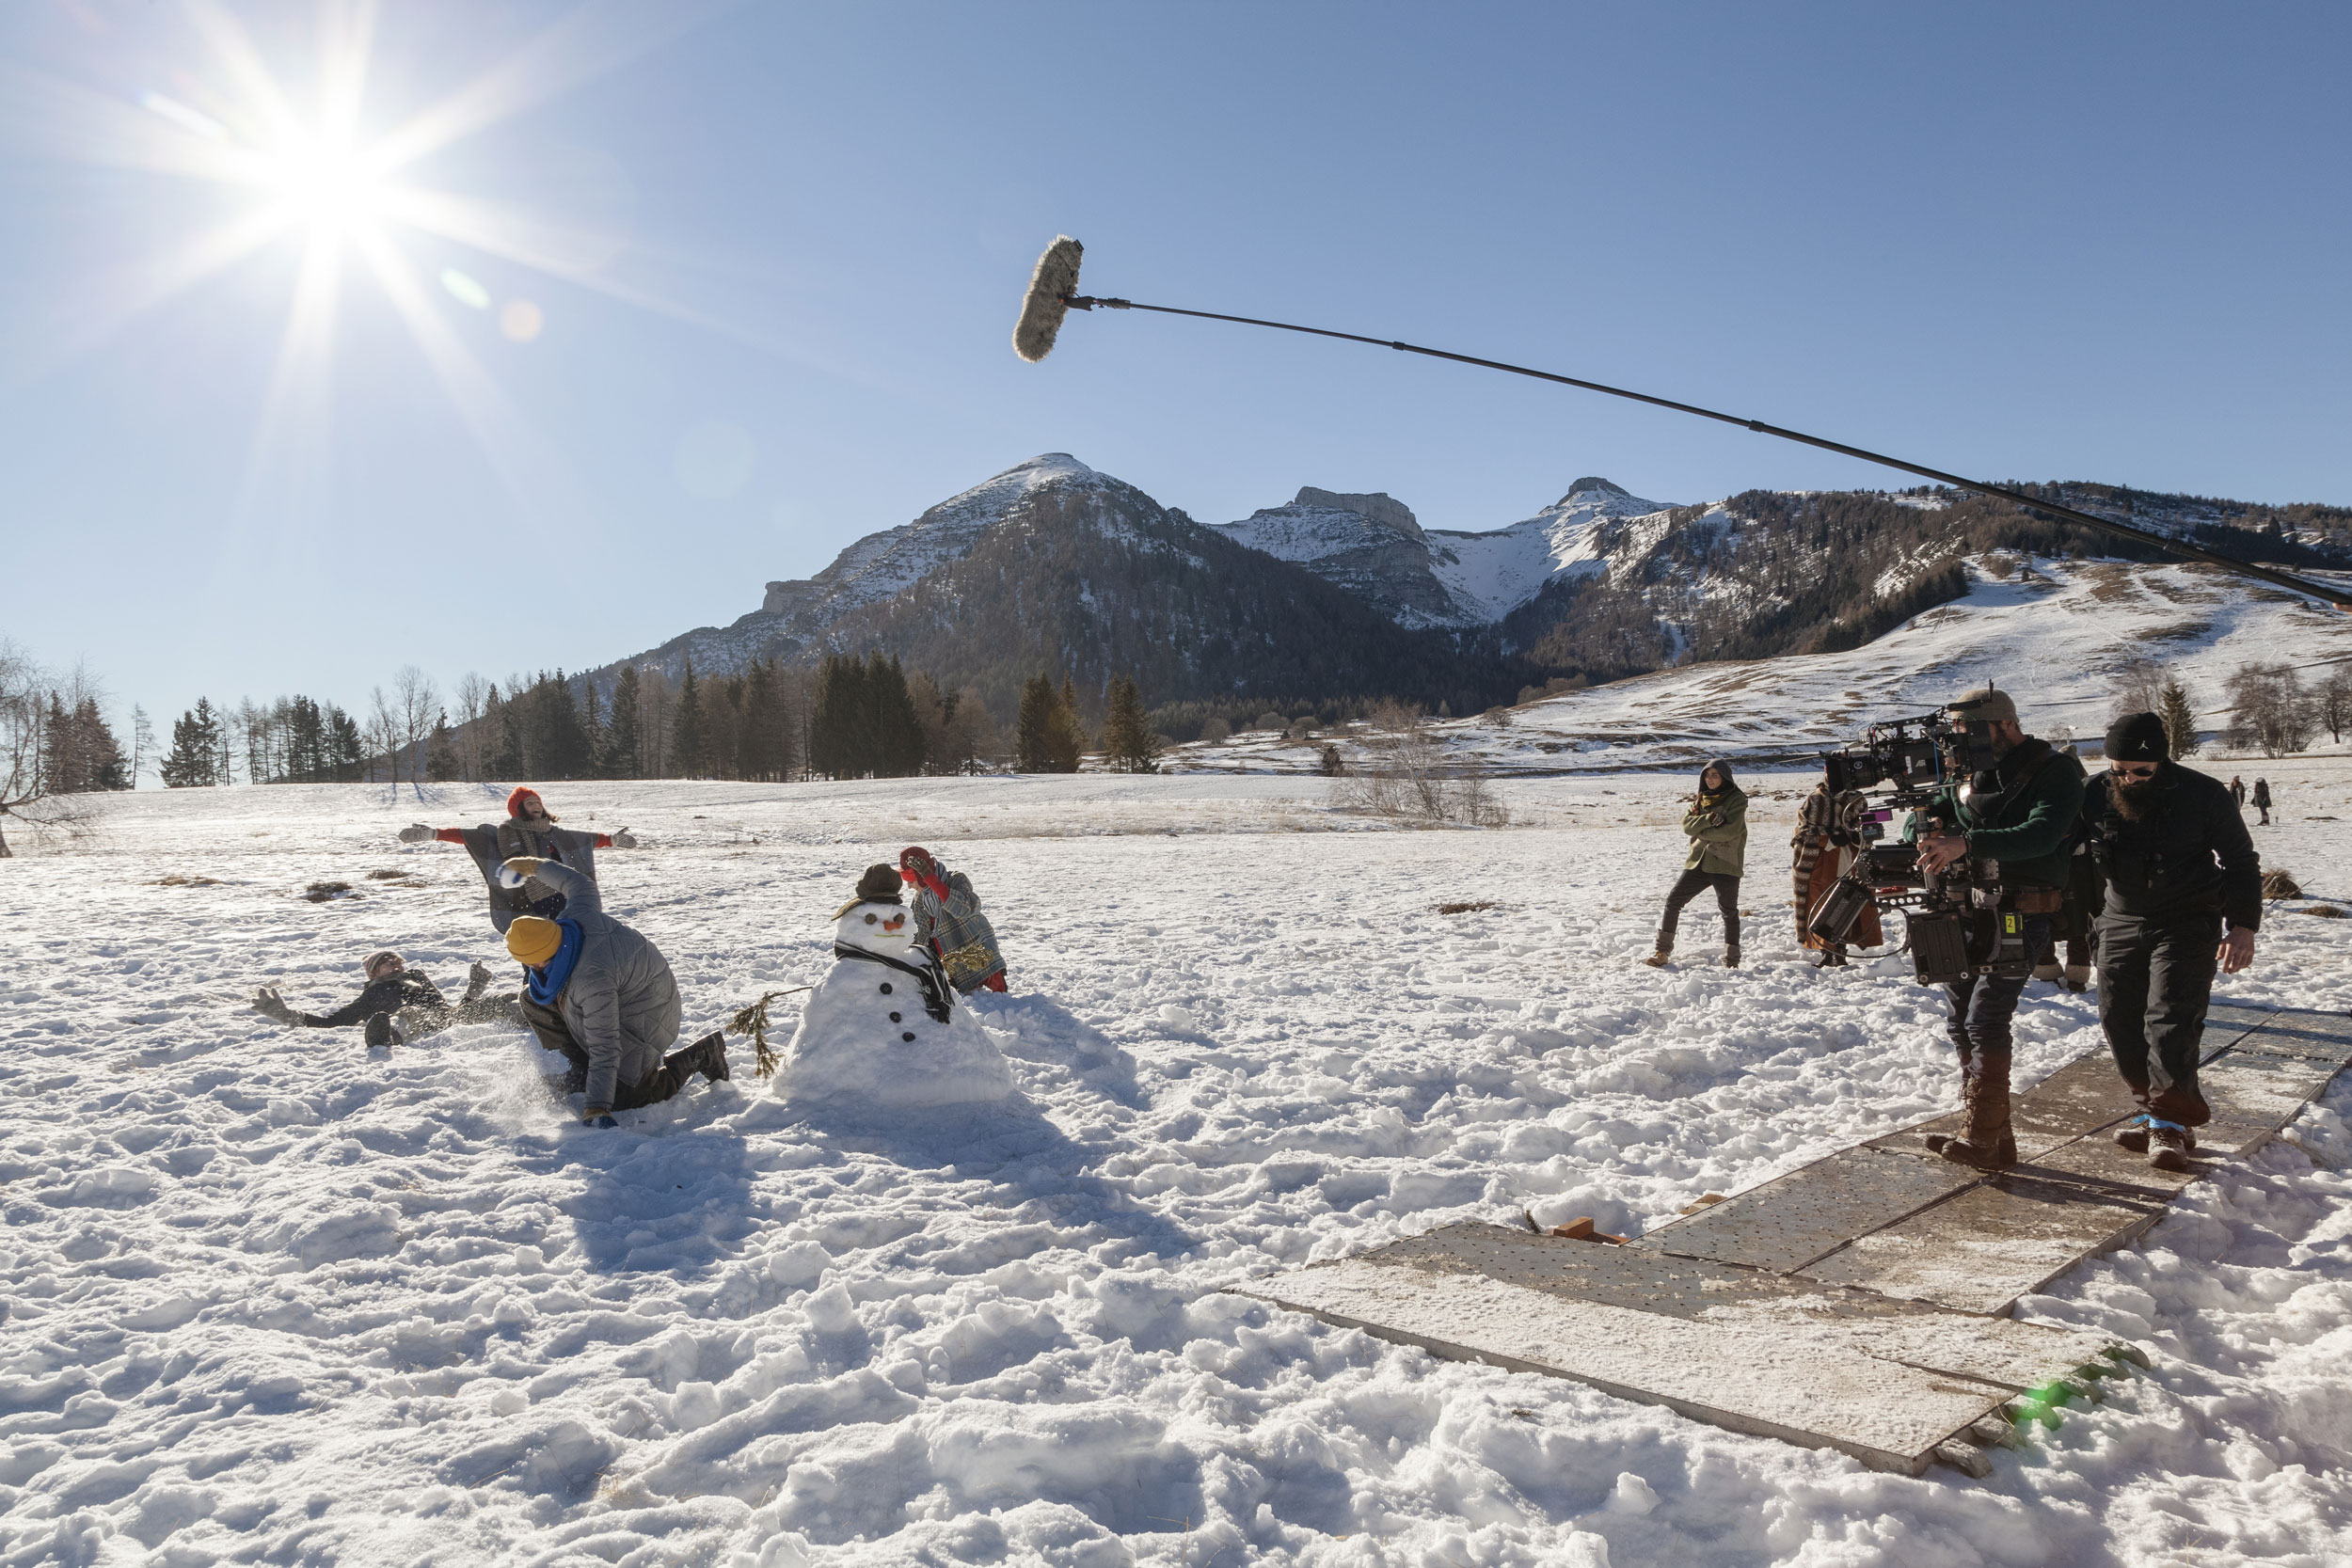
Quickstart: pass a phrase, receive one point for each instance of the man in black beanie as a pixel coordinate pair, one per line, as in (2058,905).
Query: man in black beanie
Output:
(2184,896)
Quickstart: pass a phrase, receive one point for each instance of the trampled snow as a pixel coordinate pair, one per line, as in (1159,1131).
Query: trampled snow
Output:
(270,1297)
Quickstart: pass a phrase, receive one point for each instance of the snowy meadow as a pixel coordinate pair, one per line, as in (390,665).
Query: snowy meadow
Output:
(271,1296)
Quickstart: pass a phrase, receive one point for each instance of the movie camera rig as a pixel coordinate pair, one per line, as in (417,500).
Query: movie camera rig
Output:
(1955,924)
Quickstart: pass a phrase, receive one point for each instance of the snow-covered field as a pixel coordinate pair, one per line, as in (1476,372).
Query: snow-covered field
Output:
(270,1297)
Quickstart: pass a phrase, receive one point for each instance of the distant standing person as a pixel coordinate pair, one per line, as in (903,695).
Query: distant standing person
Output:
(1829,835)
(530,831)
(2183,897)
(2237,789)
(2262,801)
(948,921)
(1718,824)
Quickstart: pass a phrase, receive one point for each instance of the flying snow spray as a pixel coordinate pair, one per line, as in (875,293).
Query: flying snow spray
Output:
(1053,294)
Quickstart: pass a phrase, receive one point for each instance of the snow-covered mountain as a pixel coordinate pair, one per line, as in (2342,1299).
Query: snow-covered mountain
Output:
(1373,546)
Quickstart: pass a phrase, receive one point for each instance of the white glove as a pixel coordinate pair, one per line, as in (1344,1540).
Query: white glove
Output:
(267,1002)
(624,840)
(415,833)
(523,865)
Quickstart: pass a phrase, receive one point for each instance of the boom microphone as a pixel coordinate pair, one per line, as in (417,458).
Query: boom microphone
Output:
(1052,287)
(1052,294)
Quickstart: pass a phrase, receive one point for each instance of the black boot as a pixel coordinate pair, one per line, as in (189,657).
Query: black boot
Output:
(706,1056)
(380,1030)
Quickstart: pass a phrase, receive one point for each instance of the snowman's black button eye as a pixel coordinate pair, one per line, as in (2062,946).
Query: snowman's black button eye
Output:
(907,1037)
(886,988)
(870,919)
(894,1017)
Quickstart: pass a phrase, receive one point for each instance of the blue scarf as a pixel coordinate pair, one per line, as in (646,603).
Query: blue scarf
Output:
(548,981)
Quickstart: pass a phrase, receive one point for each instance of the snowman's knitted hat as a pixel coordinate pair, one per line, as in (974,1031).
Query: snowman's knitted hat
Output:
(881,884)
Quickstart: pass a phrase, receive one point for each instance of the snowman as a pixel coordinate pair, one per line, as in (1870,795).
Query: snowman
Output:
(883,1027)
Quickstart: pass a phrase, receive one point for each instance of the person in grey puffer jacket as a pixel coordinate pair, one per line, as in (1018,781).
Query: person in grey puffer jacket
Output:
(603,995)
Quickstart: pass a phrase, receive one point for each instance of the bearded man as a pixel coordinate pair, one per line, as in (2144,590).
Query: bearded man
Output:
(2183,897)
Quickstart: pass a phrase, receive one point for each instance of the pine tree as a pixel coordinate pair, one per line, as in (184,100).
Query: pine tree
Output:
(623,727)
(1128,743)
(759,738)
(502,718)
(440,759)
(194,760)
(896,727)
(592,731)
(1032,729)
(685,729)
(101,753)
(840,739)
(2180,719)
(346,757)
(1066,738)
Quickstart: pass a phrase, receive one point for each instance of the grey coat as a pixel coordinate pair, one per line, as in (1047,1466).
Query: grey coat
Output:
(620,1003)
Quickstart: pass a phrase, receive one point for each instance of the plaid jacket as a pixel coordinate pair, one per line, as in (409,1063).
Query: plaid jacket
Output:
(957,931)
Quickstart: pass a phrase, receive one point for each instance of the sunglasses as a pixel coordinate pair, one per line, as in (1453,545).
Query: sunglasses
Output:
(2134,770)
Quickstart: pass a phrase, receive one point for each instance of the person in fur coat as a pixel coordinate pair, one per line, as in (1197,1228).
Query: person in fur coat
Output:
(1829,835)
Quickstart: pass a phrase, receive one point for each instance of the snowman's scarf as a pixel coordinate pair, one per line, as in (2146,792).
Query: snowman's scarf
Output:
(934,988)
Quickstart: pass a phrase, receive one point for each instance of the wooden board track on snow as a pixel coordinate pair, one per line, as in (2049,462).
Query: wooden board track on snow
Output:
(1859,1303)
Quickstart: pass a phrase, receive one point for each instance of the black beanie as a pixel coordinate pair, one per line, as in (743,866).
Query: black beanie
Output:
(2137,737)
(881,884)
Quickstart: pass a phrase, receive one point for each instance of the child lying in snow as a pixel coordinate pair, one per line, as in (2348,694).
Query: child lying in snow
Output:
(398,1004)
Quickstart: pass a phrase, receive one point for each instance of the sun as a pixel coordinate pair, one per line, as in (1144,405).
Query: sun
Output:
(326,186)
(303,162)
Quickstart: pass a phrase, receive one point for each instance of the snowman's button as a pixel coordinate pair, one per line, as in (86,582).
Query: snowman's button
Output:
(886,988)
(908,1036)
(894,1017)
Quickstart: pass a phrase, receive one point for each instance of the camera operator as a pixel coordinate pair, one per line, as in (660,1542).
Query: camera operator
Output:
(2184,895)
(2020,813)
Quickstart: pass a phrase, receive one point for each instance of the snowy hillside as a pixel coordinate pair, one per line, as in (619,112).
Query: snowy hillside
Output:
(269,1297)
(2056,633)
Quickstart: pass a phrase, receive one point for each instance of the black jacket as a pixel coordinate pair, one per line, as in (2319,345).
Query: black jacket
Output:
(2190,854)
(407,989)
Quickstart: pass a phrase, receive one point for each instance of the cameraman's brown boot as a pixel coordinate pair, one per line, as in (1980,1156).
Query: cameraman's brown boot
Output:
(1988,1144)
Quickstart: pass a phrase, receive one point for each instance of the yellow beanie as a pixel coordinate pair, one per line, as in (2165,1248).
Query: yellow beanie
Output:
(534,940)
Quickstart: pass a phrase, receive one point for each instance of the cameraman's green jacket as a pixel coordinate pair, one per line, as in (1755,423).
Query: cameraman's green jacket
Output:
(2029,826)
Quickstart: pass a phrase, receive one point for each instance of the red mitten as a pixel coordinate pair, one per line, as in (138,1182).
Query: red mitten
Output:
(937,884)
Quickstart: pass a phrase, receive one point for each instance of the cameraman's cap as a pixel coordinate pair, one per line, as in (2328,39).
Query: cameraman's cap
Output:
(2137,737)
(1984,703)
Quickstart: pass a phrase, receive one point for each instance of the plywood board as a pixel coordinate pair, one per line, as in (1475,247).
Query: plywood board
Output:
(1981,1250)
(1815,1391)
(1788,1222)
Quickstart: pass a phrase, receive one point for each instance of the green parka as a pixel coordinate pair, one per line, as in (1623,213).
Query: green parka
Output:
(1718,824)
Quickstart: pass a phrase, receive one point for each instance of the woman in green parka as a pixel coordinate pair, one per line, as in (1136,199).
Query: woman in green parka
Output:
(1718,824)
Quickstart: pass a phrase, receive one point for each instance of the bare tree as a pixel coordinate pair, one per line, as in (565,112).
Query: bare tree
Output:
(2138,687)
(2333,705)
(2269,709)
(1404,773)
(142,742)
(382,734)
(24,777)
(473,695)
(416,705)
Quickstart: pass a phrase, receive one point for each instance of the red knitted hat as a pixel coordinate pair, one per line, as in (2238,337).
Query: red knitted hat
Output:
(916,859)
(522,792)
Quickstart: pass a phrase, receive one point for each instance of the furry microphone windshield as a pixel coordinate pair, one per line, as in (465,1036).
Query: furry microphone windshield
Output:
(1050,288)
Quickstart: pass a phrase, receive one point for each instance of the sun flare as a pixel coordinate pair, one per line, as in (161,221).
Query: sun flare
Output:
(326,185)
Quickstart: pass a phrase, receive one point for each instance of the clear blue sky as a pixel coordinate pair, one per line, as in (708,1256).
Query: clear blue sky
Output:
(786,242)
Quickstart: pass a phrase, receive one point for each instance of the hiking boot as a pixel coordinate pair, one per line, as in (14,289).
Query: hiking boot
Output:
(1659,960)
(1830,958)
(2169,1146)
(379,1031)
(477,981)
(2133,1137)
(1998,1156)
(1731,958)
(2077,977)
